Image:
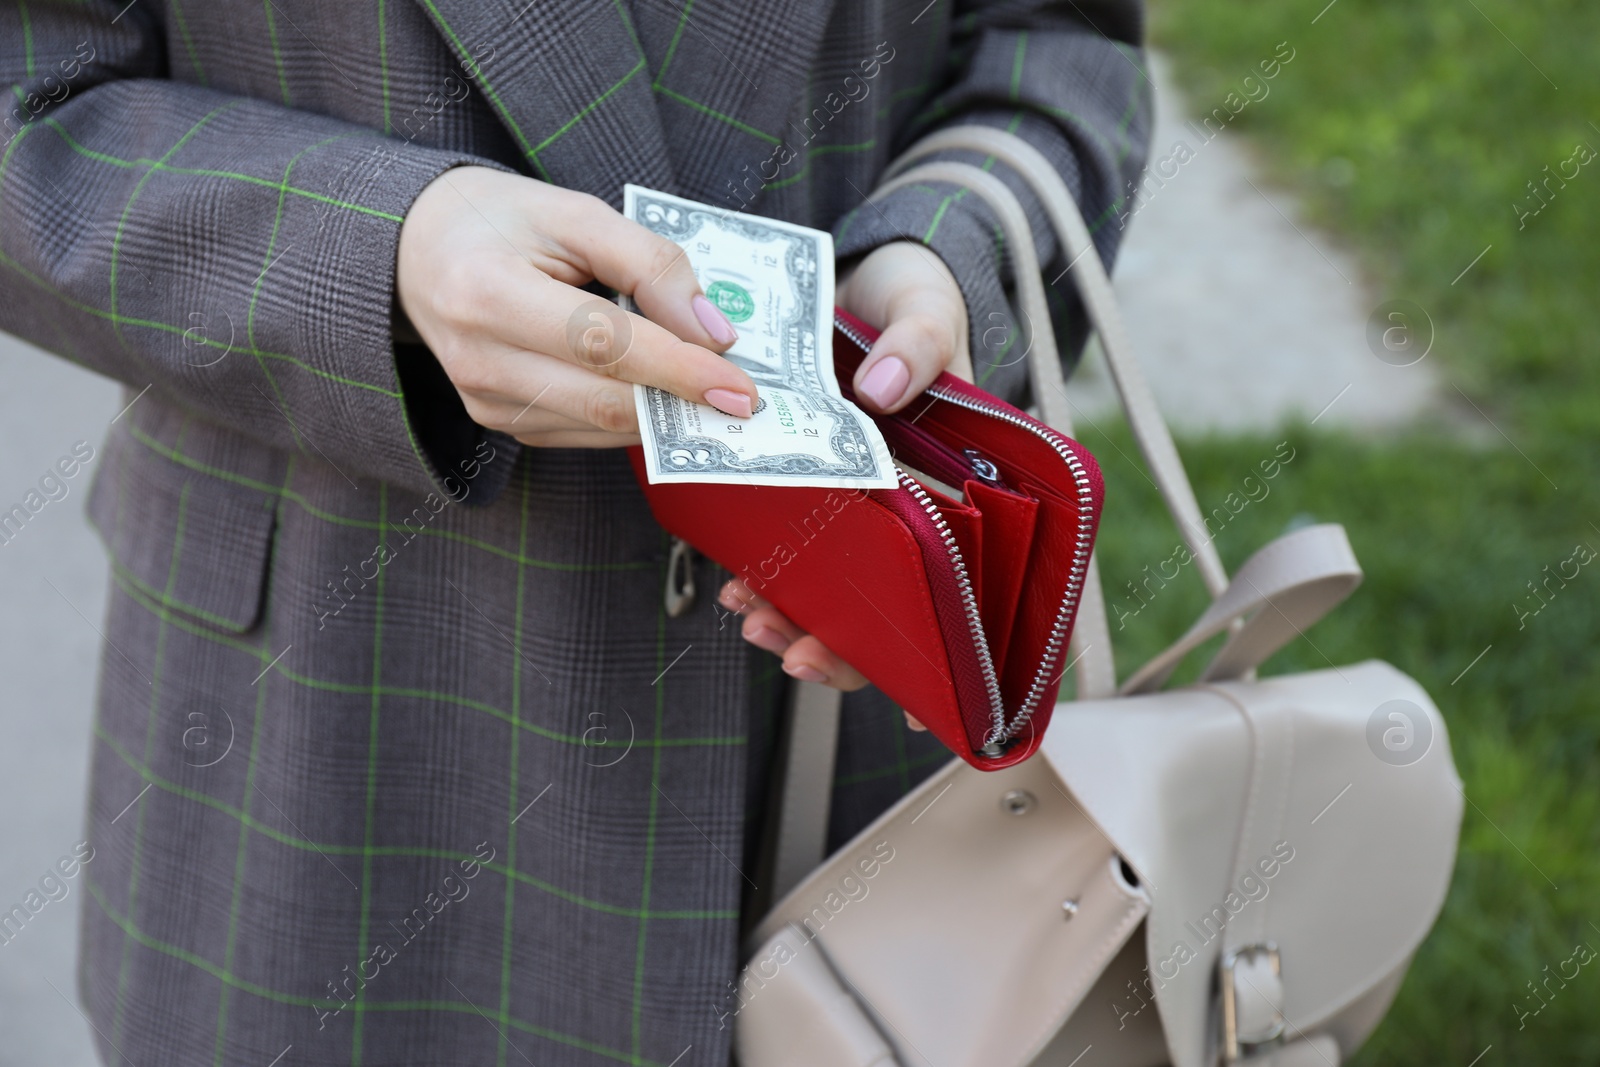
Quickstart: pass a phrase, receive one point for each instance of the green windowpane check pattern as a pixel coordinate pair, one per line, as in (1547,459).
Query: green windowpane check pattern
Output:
(382,776)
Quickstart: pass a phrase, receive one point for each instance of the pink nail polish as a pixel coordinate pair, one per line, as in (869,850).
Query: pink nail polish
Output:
(715,322)
(804,672)
(886,382)
(770,640)
(726,400)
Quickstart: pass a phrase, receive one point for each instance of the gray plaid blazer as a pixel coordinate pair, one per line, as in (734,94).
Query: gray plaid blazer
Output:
(398,759)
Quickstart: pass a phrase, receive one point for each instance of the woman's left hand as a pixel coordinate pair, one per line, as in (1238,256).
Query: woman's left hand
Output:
(908,290)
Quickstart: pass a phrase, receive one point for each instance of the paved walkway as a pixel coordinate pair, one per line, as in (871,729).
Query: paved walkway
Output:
(1240,312)
(53,586)
(1240,315)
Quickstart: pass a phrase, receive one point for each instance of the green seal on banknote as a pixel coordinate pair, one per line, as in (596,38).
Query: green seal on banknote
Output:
(734,300)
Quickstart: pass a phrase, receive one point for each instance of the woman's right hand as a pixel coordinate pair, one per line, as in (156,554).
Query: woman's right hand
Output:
(488,274)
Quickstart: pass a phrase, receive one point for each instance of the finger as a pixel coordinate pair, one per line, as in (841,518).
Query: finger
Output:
(907,357)
(531,420)
(526,309)
(514,391)
(578,438)
(809,660)
(737,597)
(654,271)
(599,336)
(913,724)
(804,657)
(768,628)
(907,288)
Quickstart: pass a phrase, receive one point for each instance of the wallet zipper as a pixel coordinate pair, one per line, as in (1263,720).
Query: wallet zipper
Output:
(969,603)
(1056,643)
(1002,730)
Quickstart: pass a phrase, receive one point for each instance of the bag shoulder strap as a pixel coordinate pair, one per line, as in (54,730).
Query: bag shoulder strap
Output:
(1090,647)
(808,748)
(1285,587)
(1094,287)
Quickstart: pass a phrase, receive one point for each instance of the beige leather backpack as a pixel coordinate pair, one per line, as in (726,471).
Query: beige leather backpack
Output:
(1238,870)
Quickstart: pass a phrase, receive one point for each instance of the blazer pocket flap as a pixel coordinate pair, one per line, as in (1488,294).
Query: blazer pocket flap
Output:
(190,541)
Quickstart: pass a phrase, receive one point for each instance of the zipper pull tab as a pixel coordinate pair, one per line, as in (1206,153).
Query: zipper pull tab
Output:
(986,471)
(679,595)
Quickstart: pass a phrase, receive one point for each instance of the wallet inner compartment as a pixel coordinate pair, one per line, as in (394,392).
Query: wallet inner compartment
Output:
(1031,583)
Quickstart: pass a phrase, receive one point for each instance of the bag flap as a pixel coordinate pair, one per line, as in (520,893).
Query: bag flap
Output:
(1360,843)
(1164,777)
(969,921)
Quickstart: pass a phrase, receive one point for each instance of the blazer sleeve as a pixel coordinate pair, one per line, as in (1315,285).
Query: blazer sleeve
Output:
(1070,79)
(229,254)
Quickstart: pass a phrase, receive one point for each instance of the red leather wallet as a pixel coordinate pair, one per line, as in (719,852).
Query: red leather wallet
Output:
(958,607)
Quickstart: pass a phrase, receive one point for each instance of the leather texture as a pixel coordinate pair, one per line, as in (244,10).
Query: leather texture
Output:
(1185,786)
(817,1020)
(872,575)
(1199,786)
(1253,830)
(958,951)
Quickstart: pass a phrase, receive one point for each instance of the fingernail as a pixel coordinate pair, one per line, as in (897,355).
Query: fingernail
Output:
(771,640)
(715,322)
(804,672)
(726,400)
(886,382)
(730,601)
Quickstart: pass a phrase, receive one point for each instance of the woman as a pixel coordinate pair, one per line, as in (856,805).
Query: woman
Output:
(420,769)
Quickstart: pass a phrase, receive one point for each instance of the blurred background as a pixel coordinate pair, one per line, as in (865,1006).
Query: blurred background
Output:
(1382,265)
(1432,152)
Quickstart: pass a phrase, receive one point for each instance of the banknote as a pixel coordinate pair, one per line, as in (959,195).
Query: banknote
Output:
(774,282)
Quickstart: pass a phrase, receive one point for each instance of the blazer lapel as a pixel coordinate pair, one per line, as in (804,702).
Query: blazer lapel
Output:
(729,76)
(569,81)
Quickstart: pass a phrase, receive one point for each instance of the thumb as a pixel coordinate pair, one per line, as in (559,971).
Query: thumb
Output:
(912,294)
(907,357)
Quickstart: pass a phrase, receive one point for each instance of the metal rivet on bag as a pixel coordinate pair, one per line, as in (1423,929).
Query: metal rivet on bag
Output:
(1069,908)
(1017,802)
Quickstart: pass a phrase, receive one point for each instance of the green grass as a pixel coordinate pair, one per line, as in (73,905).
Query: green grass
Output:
(1411,130)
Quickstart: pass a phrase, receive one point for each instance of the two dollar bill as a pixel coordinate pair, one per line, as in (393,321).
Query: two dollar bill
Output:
(774,281)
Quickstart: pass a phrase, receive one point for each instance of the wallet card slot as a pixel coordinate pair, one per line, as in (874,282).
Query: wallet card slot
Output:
(1008,527)
(924,450)
(1039,599)
(966,525)
(929,482)
(973,667)
(1011,473)
(1067,516)
(1024,460)
(965,520)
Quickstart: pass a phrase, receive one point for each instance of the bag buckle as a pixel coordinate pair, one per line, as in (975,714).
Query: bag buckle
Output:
(1252,1000)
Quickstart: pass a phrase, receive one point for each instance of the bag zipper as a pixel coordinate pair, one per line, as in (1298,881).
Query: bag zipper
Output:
(1002,730)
